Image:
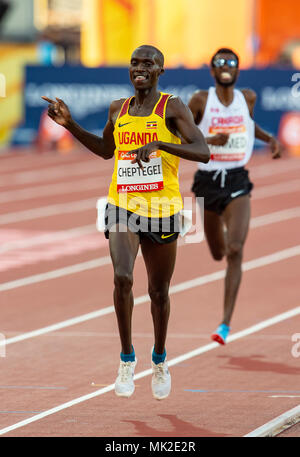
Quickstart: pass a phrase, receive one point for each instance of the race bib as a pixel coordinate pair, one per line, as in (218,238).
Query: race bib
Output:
(236,146)
(131,178)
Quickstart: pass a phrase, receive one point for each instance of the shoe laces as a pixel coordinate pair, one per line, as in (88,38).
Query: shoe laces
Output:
(125,371)
(159,372)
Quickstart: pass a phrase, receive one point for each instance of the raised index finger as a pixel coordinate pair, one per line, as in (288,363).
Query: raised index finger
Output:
(47,99)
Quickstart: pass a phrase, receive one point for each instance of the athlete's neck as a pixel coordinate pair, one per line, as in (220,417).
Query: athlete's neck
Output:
(225,94)
(144,98)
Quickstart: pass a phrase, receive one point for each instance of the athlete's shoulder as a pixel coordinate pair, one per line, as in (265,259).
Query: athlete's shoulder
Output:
(175,106)
(115,108)
(116,105)
(250,97)
(198,101)
(197,104)
(200,96)
(249,94)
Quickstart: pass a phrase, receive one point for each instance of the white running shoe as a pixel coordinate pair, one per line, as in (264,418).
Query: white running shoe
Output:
(124,385)
(161,380)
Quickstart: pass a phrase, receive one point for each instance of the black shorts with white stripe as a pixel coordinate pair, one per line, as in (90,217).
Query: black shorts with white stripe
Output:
(159,230)
(219,188)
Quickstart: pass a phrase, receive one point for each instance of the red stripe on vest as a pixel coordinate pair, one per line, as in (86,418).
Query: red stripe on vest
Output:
(124,107)
(161,104)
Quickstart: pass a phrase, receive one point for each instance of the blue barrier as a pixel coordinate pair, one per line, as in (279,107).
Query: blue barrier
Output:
(89,91)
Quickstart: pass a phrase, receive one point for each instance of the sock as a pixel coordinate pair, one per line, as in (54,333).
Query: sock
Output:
(128,357)
(158,358)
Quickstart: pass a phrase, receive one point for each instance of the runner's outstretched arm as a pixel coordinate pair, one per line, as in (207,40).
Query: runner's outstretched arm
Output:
(261,134)
(104,147)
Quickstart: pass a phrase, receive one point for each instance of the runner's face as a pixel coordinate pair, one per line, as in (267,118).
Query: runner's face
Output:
(225,75)
(144,69)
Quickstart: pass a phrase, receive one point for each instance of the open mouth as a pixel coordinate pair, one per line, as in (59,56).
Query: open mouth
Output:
(226,76)
(140,78)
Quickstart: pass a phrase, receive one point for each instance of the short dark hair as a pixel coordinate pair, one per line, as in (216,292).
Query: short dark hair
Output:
(156,51)
(224,51)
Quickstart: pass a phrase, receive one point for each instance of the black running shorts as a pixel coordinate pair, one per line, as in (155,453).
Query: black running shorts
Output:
(219,189)
(160,230)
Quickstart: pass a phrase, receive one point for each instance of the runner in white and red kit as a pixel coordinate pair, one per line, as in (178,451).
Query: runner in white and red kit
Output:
(225,117)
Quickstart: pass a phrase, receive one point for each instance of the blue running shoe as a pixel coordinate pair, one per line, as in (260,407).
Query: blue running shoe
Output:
(221,334)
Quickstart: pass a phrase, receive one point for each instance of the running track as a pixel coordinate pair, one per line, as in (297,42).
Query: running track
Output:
(62,346)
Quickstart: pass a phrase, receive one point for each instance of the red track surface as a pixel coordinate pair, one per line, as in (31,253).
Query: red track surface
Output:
(225,391)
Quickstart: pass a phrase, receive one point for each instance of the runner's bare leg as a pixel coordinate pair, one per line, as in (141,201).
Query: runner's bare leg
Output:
(160,263)
(237,218)
(123,250)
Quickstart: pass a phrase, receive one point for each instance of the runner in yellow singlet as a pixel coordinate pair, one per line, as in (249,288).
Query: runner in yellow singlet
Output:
(144,134)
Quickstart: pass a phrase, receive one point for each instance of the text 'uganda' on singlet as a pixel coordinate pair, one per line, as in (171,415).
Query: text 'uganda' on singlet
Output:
(235,120)
(154,191)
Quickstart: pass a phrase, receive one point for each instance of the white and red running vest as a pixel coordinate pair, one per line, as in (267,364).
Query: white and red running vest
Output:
(235,120)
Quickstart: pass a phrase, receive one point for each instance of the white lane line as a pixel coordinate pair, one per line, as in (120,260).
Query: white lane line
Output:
(274,168)
(89,204)
(50,210)
(277,216)
(280,188)
(185,285)
(61,188)
(55,172)
(200,350)
(91,166)
(277,425)
(58,273)
(47,238)
(255,222)
(62,171)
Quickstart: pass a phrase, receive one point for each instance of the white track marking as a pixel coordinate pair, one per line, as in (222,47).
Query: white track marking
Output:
(102,261)
(200,350)
(61,172)
(90,204)
(50,210)
(95,183)
(55,172)
(277,216)
(277,425)
(274,168)
(48,190)
(258,221)
(280,188)
(48,238)
(76,268)
(60,272)
(185,285)
(271,168)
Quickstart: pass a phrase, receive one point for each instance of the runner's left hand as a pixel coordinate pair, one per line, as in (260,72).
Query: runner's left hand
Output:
(276,148)
(143,154)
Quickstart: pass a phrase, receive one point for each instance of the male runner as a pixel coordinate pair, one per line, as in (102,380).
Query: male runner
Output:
(225,117)
(143,133)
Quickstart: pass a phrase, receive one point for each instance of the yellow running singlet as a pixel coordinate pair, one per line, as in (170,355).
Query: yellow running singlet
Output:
(154,191)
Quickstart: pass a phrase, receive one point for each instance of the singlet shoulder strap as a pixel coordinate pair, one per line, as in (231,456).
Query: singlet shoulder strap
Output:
(125,107)
(160,107)
(242,99)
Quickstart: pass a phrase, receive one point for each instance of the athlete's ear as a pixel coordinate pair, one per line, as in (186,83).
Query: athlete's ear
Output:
(162,70)
(212,72)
